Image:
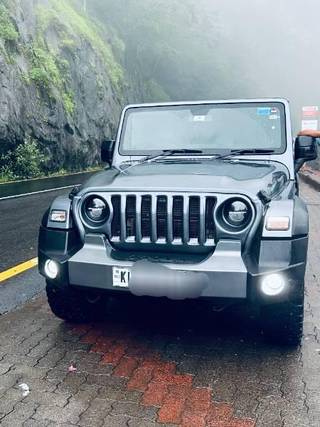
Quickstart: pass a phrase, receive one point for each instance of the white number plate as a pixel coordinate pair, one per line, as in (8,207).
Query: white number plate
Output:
(121,277)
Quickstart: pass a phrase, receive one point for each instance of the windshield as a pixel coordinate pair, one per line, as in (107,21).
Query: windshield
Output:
(211,128)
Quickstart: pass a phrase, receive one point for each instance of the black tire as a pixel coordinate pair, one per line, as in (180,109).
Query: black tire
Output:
(282,323)
(74,306)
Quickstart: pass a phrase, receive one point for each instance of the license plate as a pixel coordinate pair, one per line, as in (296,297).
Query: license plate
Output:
(121,277)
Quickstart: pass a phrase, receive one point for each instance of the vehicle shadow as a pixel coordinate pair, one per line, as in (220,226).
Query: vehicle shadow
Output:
(191,322)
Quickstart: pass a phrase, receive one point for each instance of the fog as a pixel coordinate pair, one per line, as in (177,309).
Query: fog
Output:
(276,45)
(221,49)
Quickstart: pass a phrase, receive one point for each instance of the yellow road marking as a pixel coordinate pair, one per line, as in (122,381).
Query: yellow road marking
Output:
(18,269)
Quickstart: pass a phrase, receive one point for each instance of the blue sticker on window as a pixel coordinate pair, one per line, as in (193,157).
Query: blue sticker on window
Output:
(264,111)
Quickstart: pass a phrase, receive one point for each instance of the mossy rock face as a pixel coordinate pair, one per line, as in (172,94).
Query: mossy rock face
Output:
(62,83)
(8,31)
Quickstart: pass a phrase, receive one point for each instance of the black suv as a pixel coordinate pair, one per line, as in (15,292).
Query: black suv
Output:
(200,201)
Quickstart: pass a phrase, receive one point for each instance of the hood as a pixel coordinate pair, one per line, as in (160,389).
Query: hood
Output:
(232,176)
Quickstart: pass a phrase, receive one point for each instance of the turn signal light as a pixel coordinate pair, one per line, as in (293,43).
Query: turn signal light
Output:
(277,223)
(58,216)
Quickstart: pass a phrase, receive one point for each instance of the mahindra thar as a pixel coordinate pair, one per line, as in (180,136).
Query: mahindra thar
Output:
(201,200)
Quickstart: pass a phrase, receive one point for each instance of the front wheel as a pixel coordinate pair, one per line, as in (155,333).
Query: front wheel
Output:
(74,306)
(282,323)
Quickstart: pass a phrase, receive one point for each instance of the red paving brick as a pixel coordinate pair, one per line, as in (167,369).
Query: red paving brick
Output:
(178,400)
(199,401)
(140,379)
(103,345)
(177,379)
(114,355)
(155,394)
(171,411)
(189,419)
(126,366)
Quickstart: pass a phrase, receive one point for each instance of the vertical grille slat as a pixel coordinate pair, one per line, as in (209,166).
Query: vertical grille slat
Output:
(202,221)
(116,220)
(162,217)
(194,217)
(155,218)
(209,221)
(146,217)
(131,217)
(177,214)
(138,219)
(123,218)
(169,219)
(186,236)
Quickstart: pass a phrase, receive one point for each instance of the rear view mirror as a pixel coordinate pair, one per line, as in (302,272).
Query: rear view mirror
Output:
(107,151)
(305,150)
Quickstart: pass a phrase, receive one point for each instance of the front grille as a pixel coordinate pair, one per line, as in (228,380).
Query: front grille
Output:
(169,219)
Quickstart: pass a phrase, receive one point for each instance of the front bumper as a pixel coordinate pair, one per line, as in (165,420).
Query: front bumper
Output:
(223,274)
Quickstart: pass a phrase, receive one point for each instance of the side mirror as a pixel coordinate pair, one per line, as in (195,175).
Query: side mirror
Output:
(107,148)
(305,150)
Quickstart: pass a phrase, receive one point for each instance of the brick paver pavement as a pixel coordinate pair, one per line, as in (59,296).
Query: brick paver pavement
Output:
(161,364)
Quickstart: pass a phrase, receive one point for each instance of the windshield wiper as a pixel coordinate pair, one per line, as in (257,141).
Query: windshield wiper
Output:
(234,153)
(163,154)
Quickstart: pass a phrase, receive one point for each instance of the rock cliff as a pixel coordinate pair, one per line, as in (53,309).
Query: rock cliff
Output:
(60,83)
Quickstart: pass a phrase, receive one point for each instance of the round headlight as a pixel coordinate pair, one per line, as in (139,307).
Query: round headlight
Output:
(237,213)
(96,210)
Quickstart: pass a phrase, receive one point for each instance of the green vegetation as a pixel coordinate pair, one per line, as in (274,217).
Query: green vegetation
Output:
(49,70)
(7,29)
(72,26)
(49,73)
(27,161)
(68,102)
(80,25)
(45,70)
(149,50)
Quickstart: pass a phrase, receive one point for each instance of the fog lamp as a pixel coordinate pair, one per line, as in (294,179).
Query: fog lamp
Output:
(51,269)
(273,284)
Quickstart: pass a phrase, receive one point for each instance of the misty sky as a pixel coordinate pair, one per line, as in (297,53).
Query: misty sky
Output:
(276,45)
(258,48)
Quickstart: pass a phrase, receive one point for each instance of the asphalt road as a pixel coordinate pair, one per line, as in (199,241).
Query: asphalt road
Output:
(158,363)
(20,217)
(41,184)
(19,225)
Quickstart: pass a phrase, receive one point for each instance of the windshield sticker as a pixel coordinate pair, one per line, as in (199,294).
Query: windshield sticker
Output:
(274,111)
(264,111)
(274,117)
(201,119)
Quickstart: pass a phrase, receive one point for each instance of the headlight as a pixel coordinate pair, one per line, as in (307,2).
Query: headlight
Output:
(236,213)
(96,210)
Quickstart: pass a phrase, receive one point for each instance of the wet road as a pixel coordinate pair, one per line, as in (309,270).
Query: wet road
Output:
(20,217)
(159,363)
(42,184)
